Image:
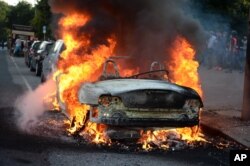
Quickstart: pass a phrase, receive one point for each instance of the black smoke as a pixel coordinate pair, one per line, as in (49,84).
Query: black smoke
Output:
(144,29)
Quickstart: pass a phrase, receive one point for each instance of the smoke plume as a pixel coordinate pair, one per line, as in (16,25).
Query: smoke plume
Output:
(144,29)
(31,105)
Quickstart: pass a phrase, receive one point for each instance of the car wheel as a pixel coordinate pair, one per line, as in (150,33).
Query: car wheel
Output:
(25,61)
(43,78)
(28,62)
(31,67)
(38,69)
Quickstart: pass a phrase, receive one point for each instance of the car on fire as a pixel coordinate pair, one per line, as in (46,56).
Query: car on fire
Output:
(145,101)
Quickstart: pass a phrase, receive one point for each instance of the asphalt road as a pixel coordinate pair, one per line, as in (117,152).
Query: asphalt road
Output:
(49,144)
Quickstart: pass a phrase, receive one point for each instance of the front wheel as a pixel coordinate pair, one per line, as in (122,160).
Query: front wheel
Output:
(43,78)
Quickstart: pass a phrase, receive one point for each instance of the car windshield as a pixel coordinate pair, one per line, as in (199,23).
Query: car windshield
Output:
(36,45)
(49,47)
(155,75)
(42,46)
(57,47)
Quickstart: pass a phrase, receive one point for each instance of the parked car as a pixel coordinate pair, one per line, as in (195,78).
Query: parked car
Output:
(50,61)
(146,101)
(31,51)
(38,57)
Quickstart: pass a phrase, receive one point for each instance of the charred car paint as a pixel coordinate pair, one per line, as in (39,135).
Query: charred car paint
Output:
(129,105)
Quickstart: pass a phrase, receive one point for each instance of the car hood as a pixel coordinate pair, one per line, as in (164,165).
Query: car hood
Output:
(89,93)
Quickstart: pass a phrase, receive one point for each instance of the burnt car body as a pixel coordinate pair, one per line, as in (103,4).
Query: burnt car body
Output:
(129,105)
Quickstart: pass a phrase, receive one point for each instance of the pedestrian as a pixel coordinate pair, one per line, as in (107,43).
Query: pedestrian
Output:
(233,50)
(18,45)
(224,49)
(242,53)
(211,44)
(219,48)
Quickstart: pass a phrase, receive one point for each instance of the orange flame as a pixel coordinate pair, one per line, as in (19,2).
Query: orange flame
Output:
(183,66)
(164,138)
(184,71)
(78,68)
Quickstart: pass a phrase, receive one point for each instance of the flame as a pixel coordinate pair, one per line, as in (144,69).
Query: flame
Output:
(164,139)
(184,71)
(183,66)
(79,67)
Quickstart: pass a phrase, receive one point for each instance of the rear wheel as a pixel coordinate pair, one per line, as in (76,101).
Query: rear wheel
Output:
(38,69)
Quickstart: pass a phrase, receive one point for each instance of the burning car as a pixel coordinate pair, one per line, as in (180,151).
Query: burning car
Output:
(145,101)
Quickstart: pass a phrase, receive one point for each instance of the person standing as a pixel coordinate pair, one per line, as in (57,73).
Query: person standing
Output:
(242,53)
(18,45)
(233,48)
(211,44)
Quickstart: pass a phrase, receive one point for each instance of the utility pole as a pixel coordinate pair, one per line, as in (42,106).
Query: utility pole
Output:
(245,114)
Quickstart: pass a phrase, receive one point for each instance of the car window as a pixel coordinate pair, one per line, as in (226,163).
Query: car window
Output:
(62,48)
(36,45)
(56,46)
(48,47)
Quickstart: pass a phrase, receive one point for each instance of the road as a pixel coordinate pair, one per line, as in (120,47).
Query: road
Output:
(49,144)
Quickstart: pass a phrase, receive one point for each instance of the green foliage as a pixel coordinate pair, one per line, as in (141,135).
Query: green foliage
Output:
(234,11)
(22,14)
(42,17)
(4,10)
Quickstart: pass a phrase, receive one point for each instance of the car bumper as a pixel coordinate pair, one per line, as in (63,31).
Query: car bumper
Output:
(149,122)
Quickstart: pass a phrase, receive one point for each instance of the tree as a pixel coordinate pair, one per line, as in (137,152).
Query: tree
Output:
(232,13)
(22,14)
(42,18)
(4,10)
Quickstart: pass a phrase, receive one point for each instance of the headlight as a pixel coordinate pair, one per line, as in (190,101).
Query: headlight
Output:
(107,100)
(192,103)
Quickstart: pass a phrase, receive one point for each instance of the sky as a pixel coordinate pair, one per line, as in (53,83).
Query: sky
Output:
(14,2)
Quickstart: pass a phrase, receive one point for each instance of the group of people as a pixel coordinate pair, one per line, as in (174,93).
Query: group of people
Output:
(225,52)
(16,46)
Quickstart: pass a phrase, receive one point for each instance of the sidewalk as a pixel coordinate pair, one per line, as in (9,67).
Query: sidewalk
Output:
(223,94)
(228,123)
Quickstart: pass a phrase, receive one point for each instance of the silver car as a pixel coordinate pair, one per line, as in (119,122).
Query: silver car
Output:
(49,63)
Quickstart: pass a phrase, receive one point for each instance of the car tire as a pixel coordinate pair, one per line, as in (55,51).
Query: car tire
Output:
(38,69)
(28,62)
(43,78)
(31,67)
(25,61)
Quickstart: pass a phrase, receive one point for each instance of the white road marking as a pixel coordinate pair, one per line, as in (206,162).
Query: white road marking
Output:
(23,78)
